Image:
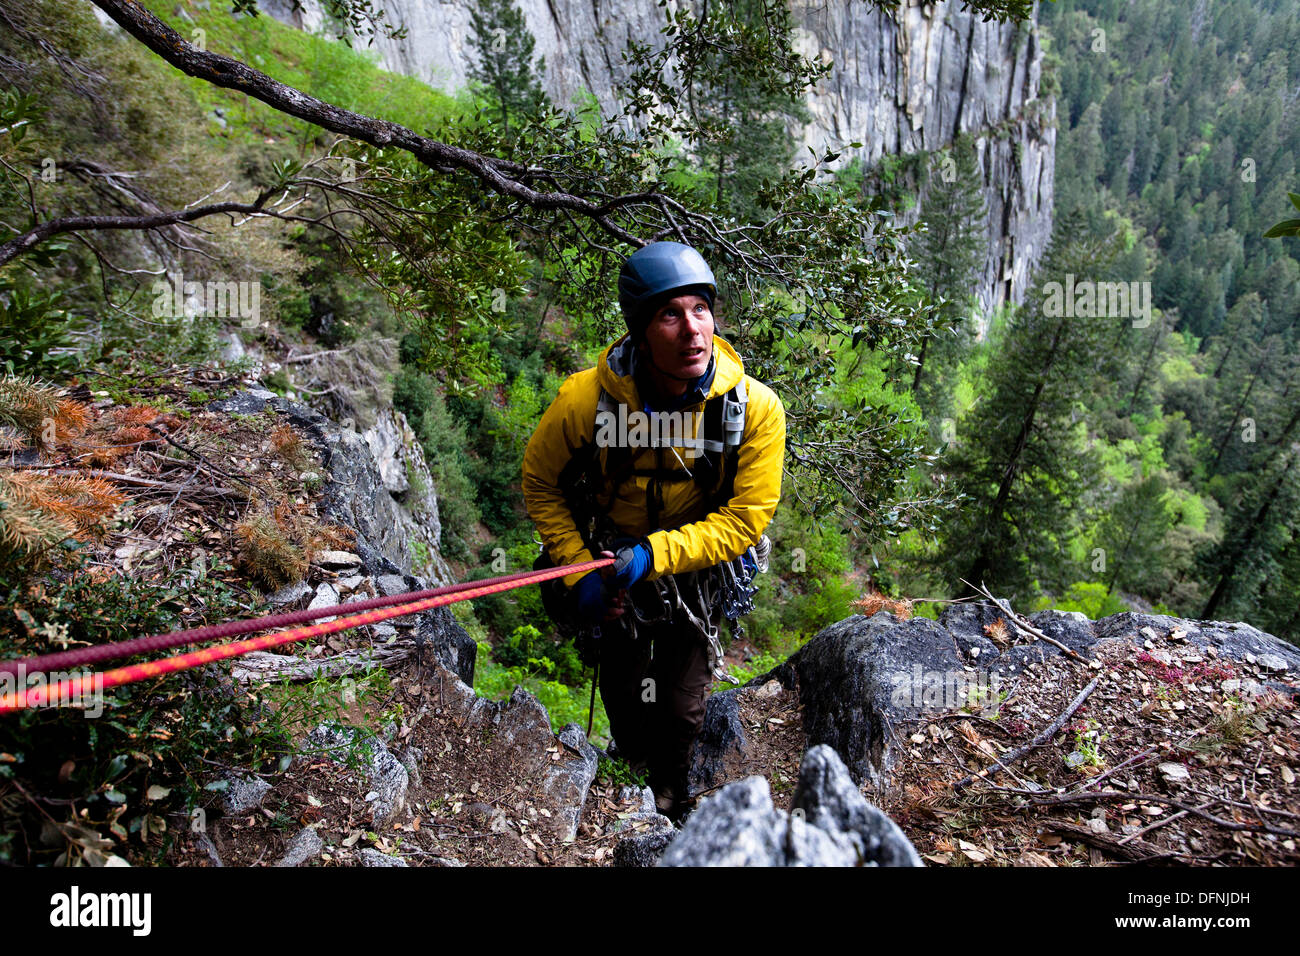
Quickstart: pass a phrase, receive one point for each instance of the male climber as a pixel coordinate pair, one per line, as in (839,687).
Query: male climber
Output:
(677,505)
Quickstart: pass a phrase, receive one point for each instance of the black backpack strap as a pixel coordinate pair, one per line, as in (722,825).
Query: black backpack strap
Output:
(724,430)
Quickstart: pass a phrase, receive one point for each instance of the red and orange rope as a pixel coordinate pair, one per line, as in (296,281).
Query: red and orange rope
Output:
(79,688)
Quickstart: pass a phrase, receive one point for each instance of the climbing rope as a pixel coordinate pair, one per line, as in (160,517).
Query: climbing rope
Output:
(79,688)
(82,656)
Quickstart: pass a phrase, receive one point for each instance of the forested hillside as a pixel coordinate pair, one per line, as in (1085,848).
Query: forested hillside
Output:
(1143,455)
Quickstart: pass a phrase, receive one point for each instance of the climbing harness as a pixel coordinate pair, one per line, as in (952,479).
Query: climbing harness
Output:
(691,596)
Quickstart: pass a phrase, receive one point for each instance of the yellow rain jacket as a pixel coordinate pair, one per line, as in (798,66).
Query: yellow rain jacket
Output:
(687,539)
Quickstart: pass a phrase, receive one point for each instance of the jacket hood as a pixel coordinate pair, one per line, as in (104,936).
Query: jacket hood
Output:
(618,363)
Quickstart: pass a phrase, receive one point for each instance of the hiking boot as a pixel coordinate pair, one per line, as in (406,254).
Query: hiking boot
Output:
(675,808)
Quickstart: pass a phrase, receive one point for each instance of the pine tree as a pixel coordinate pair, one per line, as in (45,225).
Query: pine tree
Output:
(1132,535)
(743,128)
(503,47)
(1023,454)
(1261,527)
(949,254)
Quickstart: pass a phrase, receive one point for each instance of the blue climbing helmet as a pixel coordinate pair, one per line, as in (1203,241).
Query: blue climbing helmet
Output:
(652,274)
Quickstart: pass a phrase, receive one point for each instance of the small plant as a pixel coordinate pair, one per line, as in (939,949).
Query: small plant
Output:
(986,700)
(619,773)
(780,783)
(30,410)
(40,512)
(1087,743)
(998,633)
(414,478)
(288,445)
(875,602)
(267,554)
(276,546)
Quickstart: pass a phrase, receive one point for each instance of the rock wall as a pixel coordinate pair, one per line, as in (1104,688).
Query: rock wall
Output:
(388,533)
(902,83)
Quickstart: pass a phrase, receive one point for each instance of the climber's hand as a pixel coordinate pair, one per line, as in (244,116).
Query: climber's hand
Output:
(595,605)
(631,564)
(590,594)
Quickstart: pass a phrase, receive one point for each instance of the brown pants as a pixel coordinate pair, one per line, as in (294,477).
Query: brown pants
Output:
(655,690)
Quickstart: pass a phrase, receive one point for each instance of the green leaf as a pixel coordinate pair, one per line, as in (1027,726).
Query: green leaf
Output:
(1288,227)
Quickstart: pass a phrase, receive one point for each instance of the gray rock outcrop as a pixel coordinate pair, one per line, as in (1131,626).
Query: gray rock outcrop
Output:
(567,783)
(649,831)
(386,777)
(830,824)
(305,845)
(521,725)
(860,677)
(243,793)
(388,534)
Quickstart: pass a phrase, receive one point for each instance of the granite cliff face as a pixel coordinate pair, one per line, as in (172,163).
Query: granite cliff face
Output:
(902,82)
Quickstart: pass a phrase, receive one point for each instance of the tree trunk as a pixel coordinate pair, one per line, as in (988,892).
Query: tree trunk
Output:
(1252,531)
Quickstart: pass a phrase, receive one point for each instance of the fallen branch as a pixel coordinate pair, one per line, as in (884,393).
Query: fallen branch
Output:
(312,356)
(259,665)
(1101,841)
(1093,781)
(196,454)
(1106,795)
(1021,623)
(1159,823)
(1249,806)
(1034,744)
(148,482)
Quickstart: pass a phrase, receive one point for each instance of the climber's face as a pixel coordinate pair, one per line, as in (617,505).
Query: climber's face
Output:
(679,341)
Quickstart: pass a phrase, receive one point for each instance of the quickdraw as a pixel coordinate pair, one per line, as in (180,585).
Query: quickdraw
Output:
(729,586)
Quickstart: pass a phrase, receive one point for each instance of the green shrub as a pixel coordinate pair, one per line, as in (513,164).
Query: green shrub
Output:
(1092,598)
(445,447)
(156,742)
(34,332)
